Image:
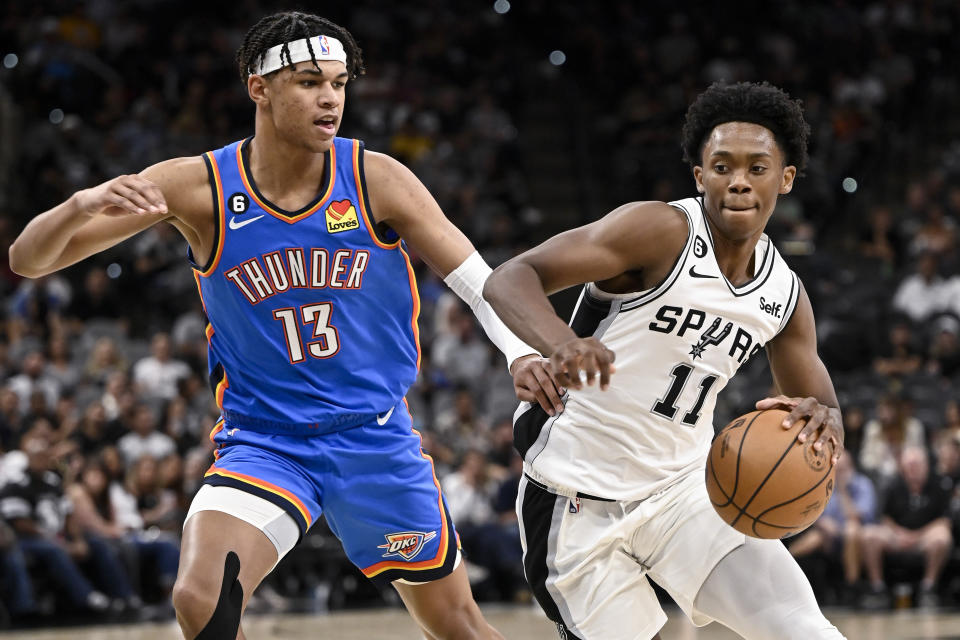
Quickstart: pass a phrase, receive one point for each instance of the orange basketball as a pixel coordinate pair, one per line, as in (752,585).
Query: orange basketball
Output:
(765,483)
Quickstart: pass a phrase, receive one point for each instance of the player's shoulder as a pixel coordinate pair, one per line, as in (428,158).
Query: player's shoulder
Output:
(379,167)
(650,220)
(178,173)
(185,184)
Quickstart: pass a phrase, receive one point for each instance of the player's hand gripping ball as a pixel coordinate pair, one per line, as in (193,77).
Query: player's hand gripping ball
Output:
(765,483)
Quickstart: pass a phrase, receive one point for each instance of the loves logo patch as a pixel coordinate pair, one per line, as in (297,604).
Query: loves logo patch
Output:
(341,216)
(407,544)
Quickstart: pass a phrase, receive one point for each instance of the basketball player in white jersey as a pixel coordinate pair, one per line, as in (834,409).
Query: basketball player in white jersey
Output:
(684,293)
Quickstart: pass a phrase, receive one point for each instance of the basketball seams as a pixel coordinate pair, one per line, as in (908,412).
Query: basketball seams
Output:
(756,491)
(736,473)
(819,482)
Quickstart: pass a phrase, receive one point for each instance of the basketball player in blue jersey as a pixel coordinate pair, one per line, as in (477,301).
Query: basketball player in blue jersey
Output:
(683,293)
(312,305)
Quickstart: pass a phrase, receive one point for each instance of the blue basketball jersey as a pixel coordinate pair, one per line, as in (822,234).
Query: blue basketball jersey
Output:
(312,313)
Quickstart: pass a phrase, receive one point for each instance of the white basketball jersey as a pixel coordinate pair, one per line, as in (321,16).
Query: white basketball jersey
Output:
(676,347)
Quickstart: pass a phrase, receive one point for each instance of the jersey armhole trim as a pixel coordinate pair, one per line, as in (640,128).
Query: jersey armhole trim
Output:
(672,275)
(361,179)
(216,190)
(792,300)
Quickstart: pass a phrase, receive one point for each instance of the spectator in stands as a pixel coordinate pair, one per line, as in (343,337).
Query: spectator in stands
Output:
(99,298)
(60,364)
(890,431)
(937,235)
(94,499)
(881,240)
(157,505)
(914,519)
(10,419)
(156,376)
(104,360)
(944,353)
(921,294)
(837,533)
(34,378)
(37,510)
(901,355)
(144,439)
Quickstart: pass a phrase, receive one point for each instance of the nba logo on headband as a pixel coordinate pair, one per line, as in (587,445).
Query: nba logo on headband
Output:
(324,46)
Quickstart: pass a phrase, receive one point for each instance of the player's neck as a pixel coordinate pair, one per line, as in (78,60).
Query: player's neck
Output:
(736,258)
(280,168)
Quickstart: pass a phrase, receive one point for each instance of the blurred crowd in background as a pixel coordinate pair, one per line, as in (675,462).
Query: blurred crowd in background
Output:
(522,121)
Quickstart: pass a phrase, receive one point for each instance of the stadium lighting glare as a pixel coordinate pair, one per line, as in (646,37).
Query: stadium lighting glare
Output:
(10,60)
(849,185)
(557,58)
(56,116)
(501,6)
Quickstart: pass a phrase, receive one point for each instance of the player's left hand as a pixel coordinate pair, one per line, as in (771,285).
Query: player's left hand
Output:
(819,417)
(534,381)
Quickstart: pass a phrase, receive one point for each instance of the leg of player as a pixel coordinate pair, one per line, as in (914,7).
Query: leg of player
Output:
(759,591)
(198,594)
(445,608)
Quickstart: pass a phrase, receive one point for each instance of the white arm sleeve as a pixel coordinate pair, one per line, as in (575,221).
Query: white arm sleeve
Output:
(467,282)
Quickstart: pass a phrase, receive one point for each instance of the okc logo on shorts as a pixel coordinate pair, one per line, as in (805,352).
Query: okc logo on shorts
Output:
(407,544)
(324,46)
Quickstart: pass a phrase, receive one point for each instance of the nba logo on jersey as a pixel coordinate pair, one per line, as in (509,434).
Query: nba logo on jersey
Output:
(341,216)
(407,544)
(324,46)
(574,505)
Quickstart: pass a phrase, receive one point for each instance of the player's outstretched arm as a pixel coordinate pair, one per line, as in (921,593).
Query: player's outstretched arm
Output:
(95,219)
(643,237)
(803,382)
(400,200)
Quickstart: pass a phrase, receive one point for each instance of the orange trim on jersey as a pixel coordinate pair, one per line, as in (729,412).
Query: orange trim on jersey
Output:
(217,428)
(277,214)
(196,277)
(220,214)
(209,332)
(423,565)
(363,202)
(222,386)
(266,486)
(415,294)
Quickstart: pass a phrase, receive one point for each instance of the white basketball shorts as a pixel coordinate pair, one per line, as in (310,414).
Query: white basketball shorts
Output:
(587,560)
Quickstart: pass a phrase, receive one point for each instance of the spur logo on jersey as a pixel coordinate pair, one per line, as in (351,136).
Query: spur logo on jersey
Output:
(341,216)
(406,544)
(710,337)
(671,319)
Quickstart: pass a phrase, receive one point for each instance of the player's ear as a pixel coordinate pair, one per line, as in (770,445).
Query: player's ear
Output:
(698,177)
(786,184)
(257,89)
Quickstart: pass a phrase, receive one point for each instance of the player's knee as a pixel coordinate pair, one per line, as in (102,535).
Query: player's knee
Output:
(206,612)
(194,601)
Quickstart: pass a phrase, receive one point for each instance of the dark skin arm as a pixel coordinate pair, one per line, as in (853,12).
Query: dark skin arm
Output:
(631,248)
(801,378)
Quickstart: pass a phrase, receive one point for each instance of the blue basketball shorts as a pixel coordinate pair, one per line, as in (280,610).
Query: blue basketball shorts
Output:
(373,483)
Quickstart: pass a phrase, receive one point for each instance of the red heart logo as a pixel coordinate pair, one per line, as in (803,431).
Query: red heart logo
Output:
(341,206)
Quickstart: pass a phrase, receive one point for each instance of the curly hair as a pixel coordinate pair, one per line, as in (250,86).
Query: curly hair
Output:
(286,26)
(759,103)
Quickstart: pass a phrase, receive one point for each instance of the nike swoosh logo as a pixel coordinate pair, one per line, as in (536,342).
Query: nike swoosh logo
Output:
(236,225)
(700,275)
(382,420)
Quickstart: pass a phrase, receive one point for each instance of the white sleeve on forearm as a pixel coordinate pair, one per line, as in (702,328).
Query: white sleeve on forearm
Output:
(467,282)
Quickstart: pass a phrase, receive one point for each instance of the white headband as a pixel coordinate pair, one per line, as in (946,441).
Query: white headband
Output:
(324,48)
